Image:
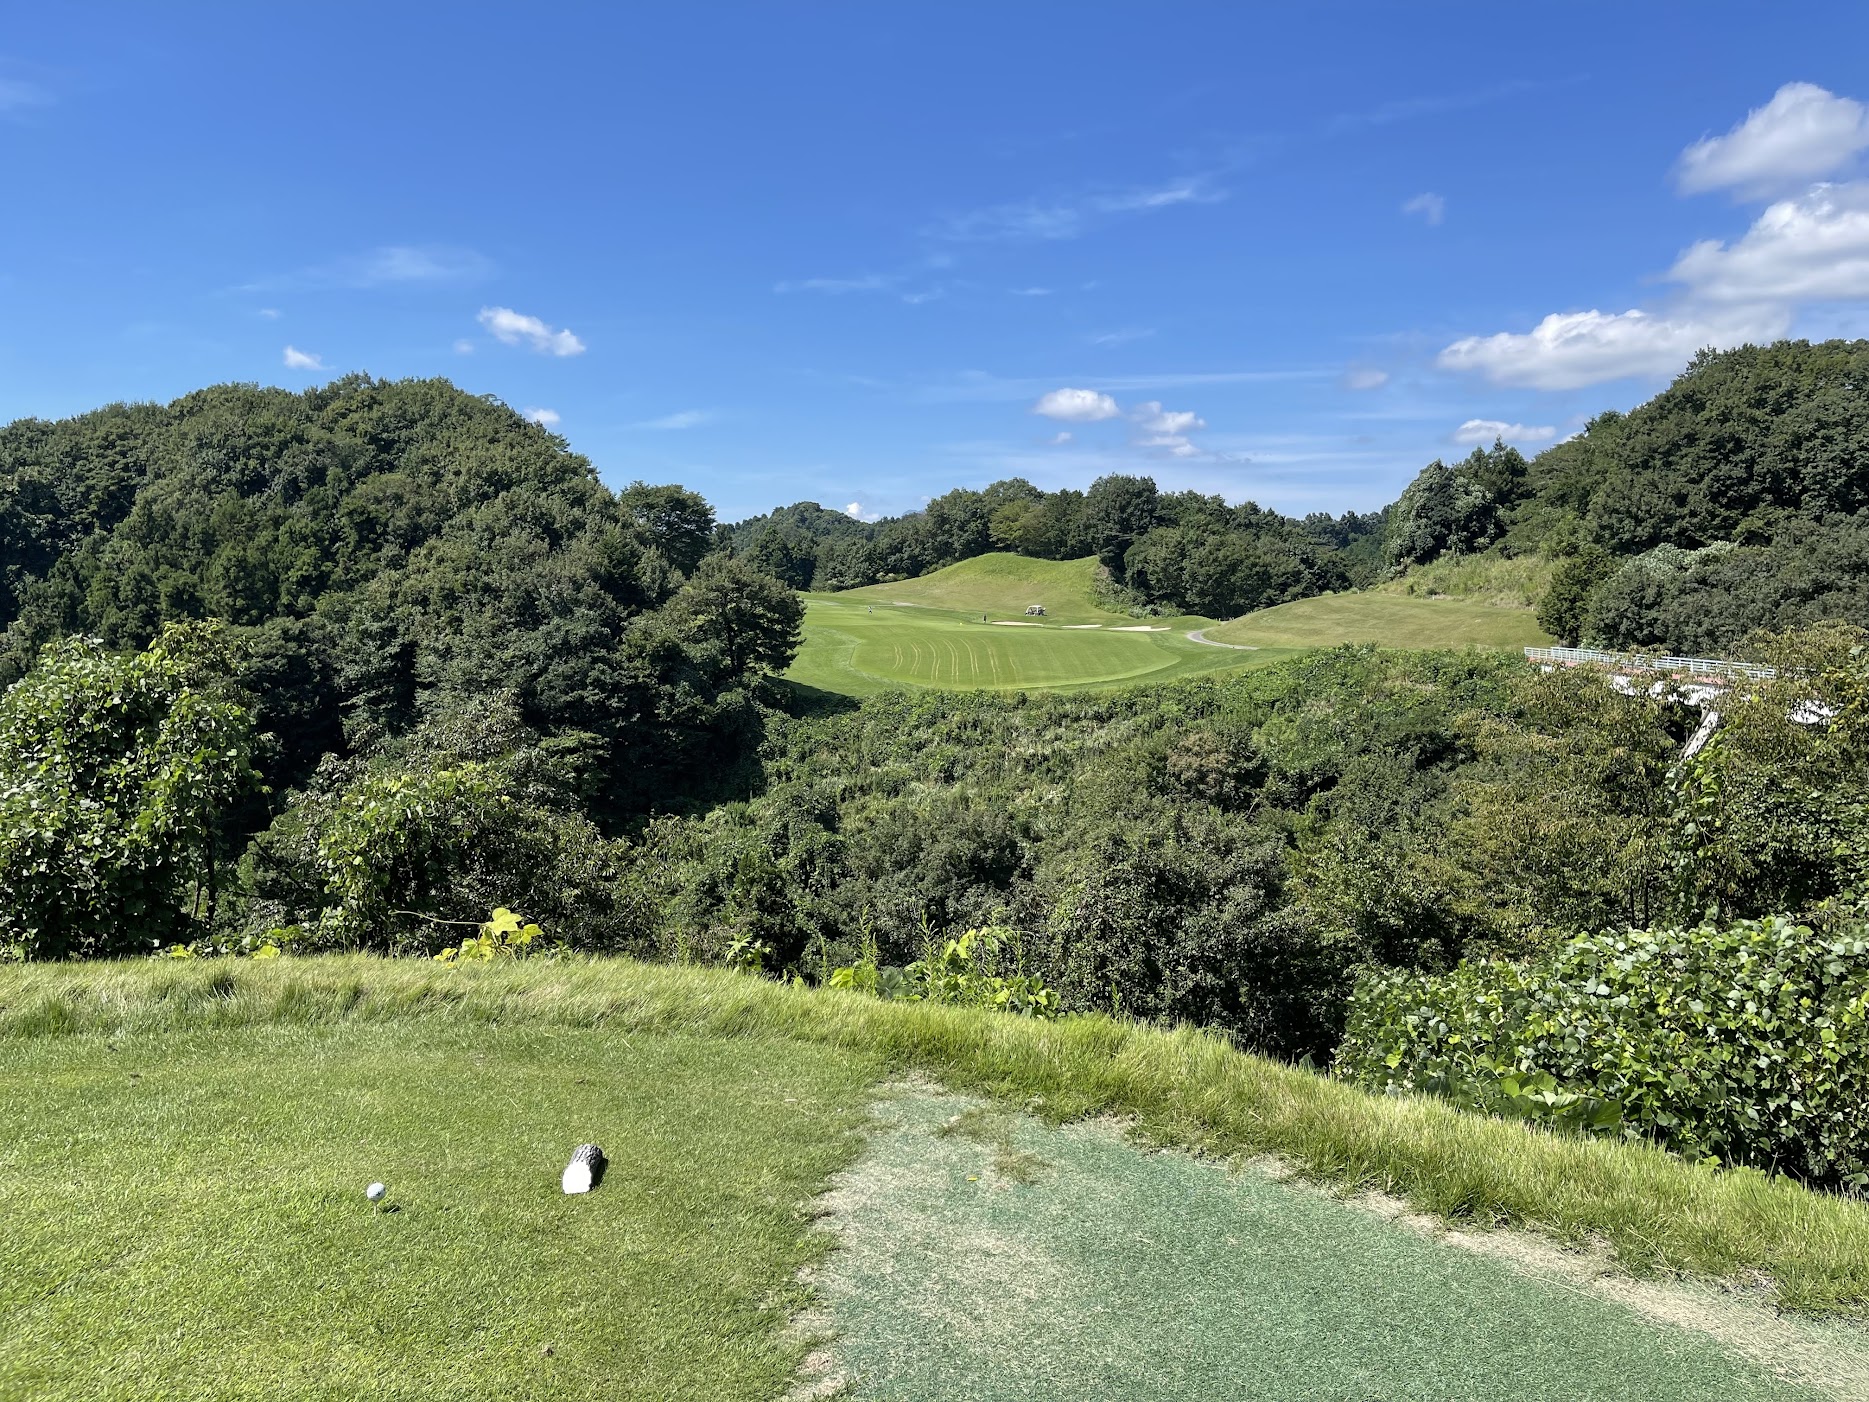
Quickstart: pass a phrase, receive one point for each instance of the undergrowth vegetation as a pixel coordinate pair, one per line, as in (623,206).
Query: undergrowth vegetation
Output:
(1746,1044)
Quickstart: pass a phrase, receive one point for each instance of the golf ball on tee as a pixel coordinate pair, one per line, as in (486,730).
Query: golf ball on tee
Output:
(375,1192)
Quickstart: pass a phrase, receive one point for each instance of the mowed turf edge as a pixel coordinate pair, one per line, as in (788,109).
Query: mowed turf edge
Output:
(1653,1211)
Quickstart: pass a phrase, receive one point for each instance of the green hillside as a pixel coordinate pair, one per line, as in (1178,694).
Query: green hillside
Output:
(1003,585)
(1390,620)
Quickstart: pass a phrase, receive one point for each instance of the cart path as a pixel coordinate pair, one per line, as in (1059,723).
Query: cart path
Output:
(983,1257)
(1199,635)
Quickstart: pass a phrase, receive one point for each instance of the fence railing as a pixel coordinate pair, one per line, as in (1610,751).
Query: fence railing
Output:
(1649,662)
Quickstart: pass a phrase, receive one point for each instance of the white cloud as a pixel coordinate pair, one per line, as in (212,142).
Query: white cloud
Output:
(1154,419)
(463,346)
(1802,134)
(1166,429)
(297,359)
(1484,431)
(1811,249)
(915,299)
(1362,377)
(856,512)
(1123,336)
(516,330)
(547,417)
(1031,291)
(1059,439)
(686,418)
(270,313)
(1430,206)
(1080,406)
(1568,350)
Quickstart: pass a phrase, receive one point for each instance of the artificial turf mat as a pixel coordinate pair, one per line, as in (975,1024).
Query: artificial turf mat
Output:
(1008,1261)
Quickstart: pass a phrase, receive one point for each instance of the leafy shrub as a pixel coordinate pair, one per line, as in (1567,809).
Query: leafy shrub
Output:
(964,971)
(1747,1043)
(115,771)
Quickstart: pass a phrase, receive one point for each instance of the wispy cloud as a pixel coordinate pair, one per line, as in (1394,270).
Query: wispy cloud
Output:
(391,265)
(514,329)
(1431,207)
(838,286)
(1030,291)
(17,94)
(1121,337)
(982,387)
(296,359)
(546,418)
(463,346)
(1364,377)
(686,418)
(1044,219)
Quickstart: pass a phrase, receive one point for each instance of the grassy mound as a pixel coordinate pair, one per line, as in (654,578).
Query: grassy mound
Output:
(1181,1087)
(1003,586)
(1518,582)
(1390,620)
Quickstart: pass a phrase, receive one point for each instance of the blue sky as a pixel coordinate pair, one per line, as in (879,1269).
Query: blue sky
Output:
(862,254)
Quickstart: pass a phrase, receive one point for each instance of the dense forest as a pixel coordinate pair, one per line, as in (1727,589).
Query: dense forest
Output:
(354,666)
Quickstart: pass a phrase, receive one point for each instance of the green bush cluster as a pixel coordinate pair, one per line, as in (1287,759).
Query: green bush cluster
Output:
(1747,1042)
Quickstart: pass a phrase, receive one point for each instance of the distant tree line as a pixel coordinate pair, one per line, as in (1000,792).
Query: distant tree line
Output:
(1172,552)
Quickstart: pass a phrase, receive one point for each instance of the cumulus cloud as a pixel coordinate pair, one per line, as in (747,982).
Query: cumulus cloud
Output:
(1363,377)
(1082,406)
(510,327)
(1804,133)
(1811,249)
(297,359)
(1485,431)
(1166,429)
(685,418)
(855,511)
(1430,206)
(1568,350)
(546,417)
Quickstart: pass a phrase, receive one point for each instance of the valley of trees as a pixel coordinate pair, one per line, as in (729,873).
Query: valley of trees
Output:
(349,669)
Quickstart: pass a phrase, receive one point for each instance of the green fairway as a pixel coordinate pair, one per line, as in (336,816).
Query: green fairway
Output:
(984,1258)
(857,648)
(185,1214)
(1389,620)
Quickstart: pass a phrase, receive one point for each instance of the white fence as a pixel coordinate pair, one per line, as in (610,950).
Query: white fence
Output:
(1643,662)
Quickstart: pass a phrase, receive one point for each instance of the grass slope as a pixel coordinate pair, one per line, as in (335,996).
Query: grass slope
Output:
(1390,620)
(1002,585)
(858,648)
(1183,1087)
(185,1211)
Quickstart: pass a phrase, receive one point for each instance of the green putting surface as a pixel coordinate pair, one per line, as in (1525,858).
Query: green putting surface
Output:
(1008,1261)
